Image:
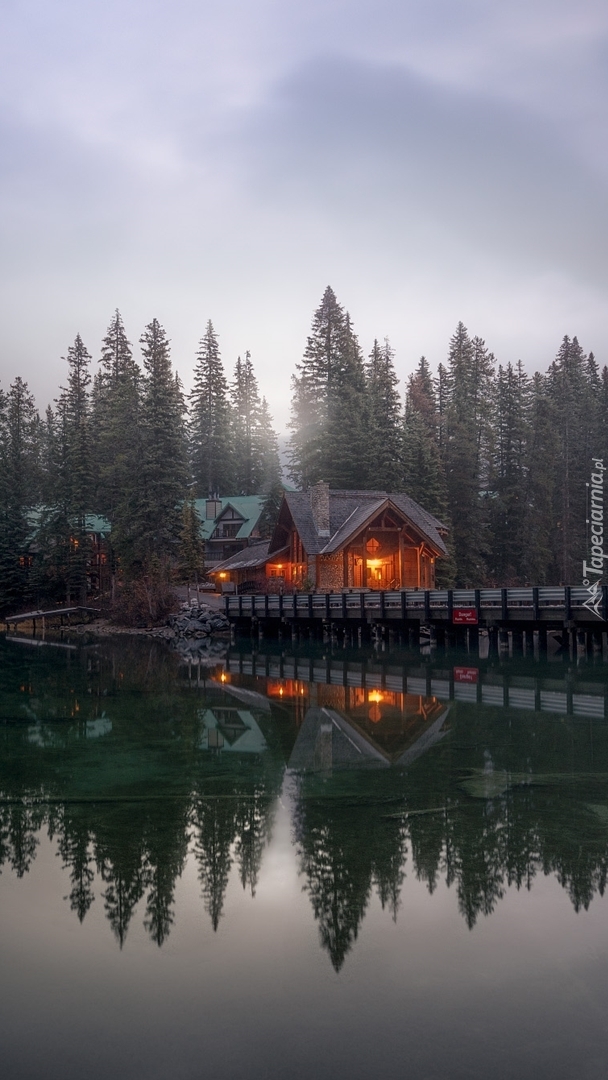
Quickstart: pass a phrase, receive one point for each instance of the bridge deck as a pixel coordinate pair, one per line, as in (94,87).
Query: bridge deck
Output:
(557,605)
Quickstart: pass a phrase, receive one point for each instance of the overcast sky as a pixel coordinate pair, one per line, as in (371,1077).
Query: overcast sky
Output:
(432,160)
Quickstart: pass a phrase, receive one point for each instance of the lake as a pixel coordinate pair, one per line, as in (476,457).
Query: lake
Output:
(271,860)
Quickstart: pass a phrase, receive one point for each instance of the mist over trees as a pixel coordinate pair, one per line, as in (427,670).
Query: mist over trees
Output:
(501,457)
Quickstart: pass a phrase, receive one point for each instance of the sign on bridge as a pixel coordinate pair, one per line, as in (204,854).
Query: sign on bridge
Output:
(464,616)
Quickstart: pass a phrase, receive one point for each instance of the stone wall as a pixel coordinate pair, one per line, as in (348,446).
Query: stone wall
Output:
(331,573)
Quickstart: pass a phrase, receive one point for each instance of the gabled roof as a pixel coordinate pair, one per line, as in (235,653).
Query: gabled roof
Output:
(249,507)
(349,511)
(248,558)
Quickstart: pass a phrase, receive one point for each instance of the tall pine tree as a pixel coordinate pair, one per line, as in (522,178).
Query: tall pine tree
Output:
(210,427)
(384,409)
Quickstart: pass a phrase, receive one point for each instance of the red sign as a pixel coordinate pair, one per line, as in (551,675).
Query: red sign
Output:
(466,674)
(466,616)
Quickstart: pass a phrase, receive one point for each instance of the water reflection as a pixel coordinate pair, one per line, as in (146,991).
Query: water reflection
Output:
(133,763)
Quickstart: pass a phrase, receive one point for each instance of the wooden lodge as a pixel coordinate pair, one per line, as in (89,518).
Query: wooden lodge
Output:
(329,541)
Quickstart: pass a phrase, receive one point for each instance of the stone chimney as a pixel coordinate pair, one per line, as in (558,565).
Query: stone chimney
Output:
(319,501)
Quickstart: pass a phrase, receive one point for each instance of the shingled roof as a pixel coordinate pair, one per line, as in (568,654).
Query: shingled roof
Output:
(348,513)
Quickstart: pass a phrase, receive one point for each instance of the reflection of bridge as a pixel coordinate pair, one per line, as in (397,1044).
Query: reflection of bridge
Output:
(571,695)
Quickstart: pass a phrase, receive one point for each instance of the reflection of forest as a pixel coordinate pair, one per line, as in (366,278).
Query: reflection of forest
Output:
(130,767)
(105,749)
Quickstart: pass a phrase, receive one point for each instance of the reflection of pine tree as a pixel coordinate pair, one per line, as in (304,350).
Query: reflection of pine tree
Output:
(18,840)
(216,827)
(120,857)
(338,868)
(254,824)
(481,848)
(74,840)
(167,845)
(390,854)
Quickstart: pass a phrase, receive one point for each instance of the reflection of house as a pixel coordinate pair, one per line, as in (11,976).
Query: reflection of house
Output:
(228,525)
(330,540)
(329,739)
(233,730)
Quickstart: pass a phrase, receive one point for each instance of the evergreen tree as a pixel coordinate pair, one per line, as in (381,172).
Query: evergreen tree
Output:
(574,391)
(246,405)
(210,427)
(156,527)
(384,431)
(19,489)
(539,523)
(422,468)
(346,450)
(191,546)
(466,437)
(311,387)
(63,542)
(271,475)
(116,417)
(509,472)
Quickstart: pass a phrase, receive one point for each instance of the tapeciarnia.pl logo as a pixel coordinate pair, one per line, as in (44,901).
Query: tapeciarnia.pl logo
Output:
(596,521)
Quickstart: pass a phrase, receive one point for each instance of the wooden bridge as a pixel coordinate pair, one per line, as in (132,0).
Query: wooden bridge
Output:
(50,615)
(450,614)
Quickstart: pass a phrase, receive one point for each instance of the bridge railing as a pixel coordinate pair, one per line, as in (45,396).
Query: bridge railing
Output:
(343,604)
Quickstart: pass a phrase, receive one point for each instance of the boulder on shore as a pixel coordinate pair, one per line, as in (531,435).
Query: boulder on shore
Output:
(198,621)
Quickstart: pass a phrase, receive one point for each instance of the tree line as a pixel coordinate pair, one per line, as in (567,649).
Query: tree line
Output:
(124,442)
(501,457)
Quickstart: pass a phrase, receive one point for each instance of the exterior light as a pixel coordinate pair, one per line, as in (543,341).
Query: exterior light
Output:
(375,695)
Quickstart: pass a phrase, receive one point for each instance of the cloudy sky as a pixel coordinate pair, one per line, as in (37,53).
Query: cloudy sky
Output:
(432,160)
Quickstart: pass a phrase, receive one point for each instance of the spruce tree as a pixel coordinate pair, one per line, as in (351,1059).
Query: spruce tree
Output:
(509,472)
(422,468)
(164,465)
(573,390)
(384,410)
(538,566)
(245,402)
(271,475)
(116,418)
(346,450)
(329,424)
(191,546)
(19,490)
(466,438)
(63,543)
(210,427)
(311,392)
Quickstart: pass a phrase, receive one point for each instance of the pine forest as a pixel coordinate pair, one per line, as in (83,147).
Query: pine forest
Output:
(501,456)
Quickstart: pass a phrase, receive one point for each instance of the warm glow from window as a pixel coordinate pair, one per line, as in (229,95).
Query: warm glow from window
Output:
(222,575)
(375,695)
(223,677)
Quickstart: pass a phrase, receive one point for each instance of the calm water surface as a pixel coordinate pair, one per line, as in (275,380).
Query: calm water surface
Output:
(296,862)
